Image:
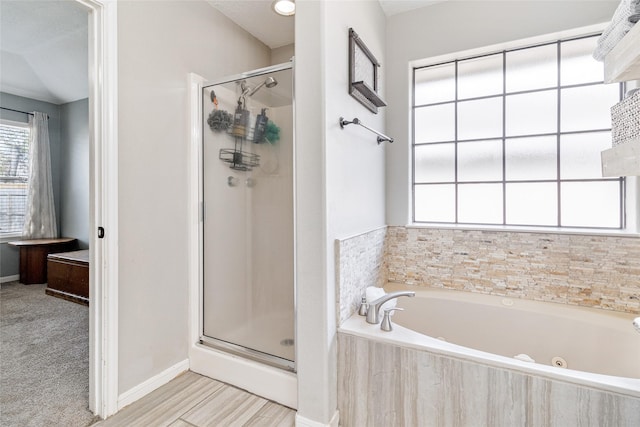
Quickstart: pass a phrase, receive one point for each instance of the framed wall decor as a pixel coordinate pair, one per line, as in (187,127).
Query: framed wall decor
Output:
(363,74)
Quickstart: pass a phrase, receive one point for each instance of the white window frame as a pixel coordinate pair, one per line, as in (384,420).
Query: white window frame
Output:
(631,187)
(8,237)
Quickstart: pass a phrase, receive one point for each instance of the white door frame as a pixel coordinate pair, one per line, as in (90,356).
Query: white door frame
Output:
(103,135)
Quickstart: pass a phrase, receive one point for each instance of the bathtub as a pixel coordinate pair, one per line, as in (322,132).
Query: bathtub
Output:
(585,356)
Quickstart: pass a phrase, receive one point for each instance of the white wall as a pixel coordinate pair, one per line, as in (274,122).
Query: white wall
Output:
(339,179)
(282,54)
(451,27)
(160,42)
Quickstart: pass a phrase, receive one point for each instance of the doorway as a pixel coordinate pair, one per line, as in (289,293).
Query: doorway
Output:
(103,183)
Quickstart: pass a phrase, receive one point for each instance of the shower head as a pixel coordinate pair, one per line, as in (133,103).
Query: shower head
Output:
(269,82)
(636,323)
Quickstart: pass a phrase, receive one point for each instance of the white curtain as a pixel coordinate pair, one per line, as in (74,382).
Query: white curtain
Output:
(40,217)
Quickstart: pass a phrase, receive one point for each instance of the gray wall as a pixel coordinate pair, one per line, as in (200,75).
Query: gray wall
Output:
(74,171)
(9,255)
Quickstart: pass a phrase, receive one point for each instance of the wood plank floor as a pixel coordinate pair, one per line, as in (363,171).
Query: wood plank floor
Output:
(192,400)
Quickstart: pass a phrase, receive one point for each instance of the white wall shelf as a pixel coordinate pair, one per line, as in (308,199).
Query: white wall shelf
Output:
(623,62)
(622,160)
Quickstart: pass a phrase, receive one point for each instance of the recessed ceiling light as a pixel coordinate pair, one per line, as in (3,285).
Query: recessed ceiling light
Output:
(284,7)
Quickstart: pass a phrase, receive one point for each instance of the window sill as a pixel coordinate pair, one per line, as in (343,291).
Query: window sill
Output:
(519,229)
(5,239)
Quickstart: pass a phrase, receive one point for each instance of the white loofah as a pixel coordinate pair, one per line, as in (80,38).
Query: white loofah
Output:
(373,293)
(524,358)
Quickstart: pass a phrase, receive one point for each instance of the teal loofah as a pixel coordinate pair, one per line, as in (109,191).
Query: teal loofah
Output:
(272,132)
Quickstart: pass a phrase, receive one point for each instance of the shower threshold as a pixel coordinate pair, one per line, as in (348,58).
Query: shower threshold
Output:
(256,356)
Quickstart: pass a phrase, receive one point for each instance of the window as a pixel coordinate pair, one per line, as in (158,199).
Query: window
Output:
(514,138)
(14,174)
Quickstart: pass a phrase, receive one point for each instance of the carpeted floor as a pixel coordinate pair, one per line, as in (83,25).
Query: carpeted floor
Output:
(44,359)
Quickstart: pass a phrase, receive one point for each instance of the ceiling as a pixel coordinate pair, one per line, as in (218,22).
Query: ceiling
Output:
(394,7)
(44,44)
(257,18)
(44,50)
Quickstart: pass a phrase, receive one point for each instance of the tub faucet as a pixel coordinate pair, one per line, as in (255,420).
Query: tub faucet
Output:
(373,314)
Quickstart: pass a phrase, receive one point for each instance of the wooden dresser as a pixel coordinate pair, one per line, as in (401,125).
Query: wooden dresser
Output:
(69,276)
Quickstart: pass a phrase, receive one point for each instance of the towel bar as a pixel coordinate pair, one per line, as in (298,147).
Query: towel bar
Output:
(381,137)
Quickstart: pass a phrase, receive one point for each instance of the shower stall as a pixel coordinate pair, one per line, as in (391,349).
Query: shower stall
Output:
(247,227)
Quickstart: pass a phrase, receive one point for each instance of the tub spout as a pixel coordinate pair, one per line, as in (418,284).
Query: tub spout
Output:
(373,314)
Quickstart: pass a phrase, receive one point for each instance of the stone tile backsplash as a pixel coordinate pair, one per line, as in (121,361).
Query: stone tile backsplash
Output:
(593,271)
(359,262)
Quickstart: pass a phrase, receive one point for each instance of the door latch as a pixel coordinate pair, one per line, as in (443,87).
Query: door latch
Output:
(100,233)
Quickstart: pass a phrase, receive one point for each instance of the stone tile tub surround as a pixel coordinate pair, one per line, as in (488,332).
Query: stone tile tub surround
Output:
(382,383)
(359,264)
(585,270)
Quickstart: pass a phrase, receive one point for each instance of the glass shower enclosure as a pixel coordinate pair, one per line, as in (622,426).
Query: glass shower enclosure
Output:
(248,216)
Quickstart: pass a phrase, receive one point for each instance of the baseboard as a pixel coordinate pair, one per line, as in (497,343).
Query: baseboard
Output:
(141,390)
(305,422)
(6,279)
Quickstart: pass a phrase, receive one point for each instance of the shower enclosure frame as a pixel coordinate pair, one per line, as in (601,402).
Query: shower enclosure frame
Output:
(214,343)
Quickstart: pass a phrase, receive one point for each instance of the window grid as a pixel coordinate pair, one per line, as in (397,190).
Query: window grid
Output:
(512,93)
(14,169)
(504,140)
(558,128)
(455,146)
(558,88)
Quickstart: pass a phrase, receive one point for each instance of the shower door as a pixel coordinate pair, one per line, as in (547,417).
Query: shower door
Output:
(248,216)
